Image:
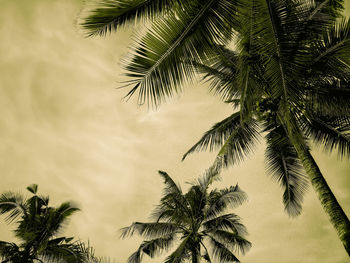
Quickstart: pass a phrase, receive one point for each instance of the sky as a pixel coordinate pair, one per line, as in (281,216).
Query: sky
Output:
(65,127)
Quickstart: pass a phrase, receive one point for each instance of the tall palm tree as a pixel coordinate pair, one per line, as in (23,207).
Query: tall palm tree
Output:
(197,219)
(293,54)
(37,227)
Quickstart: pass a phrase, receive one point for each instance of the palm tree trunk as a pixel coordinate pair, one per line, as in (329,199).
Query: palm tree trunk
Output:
(195,253)
(328,201)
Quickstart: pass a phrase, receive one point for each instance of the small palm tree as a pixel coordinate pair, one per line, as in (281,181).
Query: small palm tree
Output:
(37,227)
(196,219)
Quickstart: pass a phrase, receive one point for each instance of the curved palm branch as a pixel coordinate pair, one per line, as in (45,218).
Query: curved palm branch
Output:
(156,64)
(112,14)
(234,139)
(150,230)
(330,132)
(221,252)
(284,166)
(14,204)
(220,200)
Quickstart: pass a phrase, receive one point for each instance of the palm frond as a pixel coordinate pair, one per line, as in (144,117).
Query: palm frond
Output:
(151,248)
(219,200)
(156,64)
(110,15)
(180,253)
(12,203)
(220,68)
(284,166)
(229,222)
(149,230)
(234,241)
(33,188)
(8,250)
(331,99)
(62,251)
(331,51)
(329,131)
(221,252)
(211,175)
(235,139)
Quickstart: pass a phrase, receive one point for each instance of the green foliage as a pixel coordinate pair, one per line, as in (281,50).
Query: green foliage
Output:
(289,72)
(196,218)
(38,226)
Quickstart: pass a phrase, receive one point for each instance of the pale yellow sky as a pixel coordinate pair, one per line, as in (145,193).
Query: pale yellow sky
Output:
(63,126)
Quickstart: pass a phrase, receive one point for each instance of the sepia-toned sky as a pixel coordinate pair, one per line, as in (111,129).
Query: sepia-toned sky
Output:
(64,126)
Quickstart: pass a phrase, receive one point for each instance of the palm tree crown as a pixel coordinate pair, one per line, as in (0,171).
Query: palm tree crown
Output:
(38,225)
(197,219)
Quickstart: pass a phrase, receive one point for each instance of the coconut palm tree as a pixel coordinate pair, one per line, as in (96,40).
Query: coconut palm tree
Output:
(37,227)
(290,55)
(234,138)
(197,220)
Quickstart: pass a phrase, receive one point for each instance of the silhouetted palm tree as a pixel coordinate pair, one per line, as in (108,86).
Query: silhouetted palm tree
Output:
(291,55)
(38,225)
(197,219)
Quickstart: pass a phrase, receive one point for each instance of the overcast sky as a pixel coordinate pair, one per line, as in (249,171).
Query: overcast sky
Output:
(63,126)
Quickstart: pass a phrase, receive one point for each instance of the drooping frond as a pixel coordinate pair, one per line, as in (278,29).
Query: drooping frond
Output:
(331,51)
(331,99)
(233,241)
(13,204)
(220,200)
(235,139)
(62,250)
(149,230)
(180,253)
(110,15)
(329,131)
(58,216)
(326,10)
(221,252)
(228,222)
(8,251)
(156,66)
(151,248)
(220,69)
(284,166)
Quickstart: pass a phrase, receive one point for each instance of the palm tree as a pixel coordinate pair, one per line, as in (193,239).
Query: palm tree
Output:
(37,227)
(197,220)
(291,59)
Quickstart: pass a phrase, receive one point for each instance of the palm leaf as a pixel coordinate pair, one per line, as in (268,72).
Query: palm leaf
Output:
(180,253)
(235,139)
(151,248)
(63,252)
(12,203)
(149,230)
(110,15)
(156,63)
(329,131)
(222,199)
(221,252)
(331,51)
(231,240)
(220,69)
(228,222)
(284,166)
